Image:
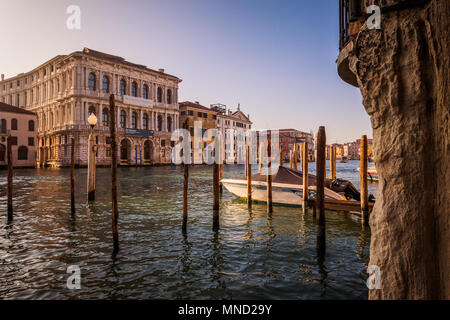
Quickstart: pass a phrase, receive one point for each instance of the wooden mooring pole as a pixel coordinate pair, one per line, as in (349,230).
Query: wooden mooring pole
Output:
(296,156)
(249,176)
(10,178)
(305,195)
(363,181)
(72,176)
(320,175)
(290,159)
(280,160)
(216,203)
(333,162)
(220,177)
(115,211)
(269,176)
(261,157)
(185,196)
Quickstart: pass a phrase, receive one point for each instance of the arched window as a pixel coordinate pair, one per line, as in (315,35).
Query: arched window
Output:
(105,116)
(148,150)
(2,152)
(3,126)
(169,124)
(92,110)
(43,122)
(134,120)
(145,91)
(30,125)
(13,124)
(169,96)
(92,82)
(160,123)
(22,153)
(125,149)
(123,119)
(105,84)
(123,87)
(134,89)
(159,94)
(145,121)
(50,118)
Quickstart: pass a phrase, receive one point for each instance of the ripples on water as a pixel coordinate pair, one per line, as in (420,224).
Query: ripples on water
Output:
(252,256)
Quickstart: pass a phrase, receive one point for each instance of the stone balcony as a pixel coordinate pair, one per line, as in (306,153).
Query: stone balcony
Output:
(343,67)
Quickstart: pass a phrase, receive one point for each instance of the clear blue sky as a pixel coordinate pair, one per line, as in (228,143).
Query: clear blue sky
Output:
(275,58)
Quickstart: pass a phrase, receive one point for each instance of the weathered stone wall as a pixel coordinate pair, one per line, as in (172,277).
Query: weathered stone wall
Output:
(403,73)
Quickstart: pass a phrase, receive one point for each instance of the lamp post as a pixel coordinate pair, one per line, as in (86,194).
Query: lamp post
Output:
(92,149)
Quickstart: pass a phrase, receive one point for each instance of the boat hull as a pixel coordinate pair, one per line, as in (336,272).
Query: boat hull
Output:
(372,174)
(286,194)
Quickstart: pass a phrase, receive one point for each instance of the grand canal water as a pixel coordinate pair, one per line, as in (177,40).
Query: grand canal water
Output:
(252,256)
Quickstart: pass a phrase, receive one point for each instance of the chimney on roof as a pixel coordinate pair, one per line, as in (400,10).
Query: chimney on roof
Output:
(196,102)
(161,70)
(3,77)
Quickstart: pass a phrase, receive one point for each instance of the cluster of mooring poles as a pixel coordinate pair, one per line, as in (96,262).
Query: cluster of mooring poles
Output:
(319,203)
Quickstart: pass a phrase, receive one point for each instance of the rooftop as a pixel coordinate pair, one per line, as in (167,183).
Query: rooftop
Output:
(194,105)
(98,55)
(9,108)
(120,60)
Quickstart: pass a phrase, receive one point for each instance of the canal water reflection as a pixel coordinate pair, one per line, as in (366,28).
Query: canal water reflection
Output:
(252,256)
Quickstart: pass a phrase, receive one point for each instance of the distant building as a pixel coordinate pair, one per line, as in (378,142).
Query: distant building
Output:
(339,150)
(20,124)
(216,117)
(289,137)
(190,112)
(229,120)
(351,150)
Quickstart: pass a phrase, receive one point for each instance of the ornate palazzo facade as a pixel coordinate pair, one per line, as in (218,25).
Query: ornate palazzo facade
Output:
(66,89)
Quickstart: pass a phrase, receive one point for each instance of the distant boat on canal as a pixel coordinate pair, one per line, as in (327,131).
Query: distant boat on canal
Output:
(344,159)
(372,174)
(286,189)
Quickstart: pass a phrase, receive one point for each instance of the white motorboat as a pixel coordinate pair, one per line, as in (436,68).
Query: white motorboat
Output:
(285,189)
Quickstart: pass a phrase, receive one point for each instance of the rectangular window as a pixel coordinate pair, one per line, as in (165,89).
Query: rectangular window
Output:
(199,114)
(191,113)
(183,113)
(172,144)
(108,152)
(205,115)
(31,141)
(214,117)
(108,140)
(14,141)
(163,143)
